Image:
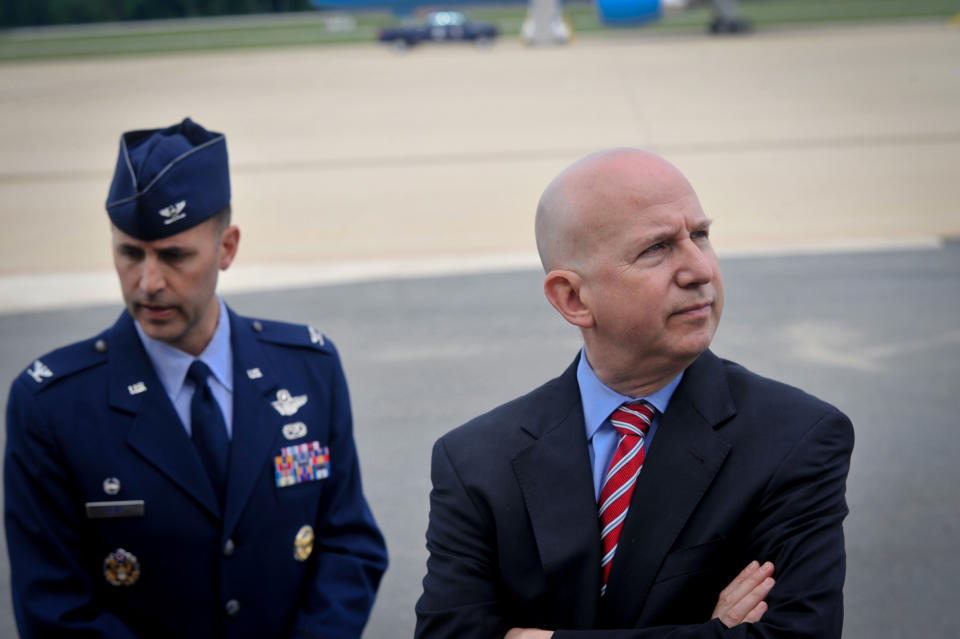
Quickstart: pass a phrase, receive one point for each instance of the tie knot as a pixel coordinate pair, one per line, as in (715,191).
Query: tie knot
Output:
(633,418)
(198,373)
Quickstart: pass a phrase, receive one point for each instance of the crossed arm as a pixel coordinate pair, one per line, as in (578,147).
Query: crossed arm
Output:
(742,601)
(797,524)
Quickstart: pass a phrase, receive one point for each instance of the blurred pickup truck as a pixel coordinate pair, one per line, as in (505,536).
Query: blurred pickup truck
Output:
(440,26)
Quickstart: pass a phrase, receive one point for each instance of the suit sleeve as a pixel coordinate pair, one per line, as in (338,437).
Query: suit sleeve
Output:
(52,593)
(350,553)
(799,529)
(459,593)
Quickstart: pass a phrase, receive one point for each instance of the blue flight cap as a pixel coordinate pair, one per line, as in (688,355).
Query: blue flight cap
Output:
(168,180)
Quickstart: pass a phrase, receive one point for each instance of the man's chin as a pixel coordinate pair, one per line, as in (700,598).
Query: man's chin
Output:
(164,330)
(696,343)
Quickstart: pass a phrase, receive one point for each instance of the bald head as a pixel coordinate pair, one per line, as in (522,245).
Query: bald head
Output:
(626,249)
(572,212)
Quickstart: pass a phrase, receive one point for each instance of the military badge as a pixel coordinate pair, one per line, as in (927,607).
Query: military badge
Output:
(288,404)
(296,430)
(121,568)
(173,212)
(137,388)
(303,543)
(111,485)
(39,371)
(301,463)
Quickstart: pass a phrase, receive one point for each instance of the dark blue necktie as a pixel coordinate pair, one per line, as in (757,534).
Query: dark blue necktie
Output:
(209,432)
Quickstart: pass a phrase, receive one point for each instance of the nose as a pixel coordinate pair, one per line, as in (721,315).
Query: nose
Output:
(697,264)
(151,278)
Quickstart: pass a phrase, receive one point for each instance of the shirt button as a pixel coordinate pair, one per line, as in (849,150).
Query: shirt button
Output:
(228,548)
(232,608)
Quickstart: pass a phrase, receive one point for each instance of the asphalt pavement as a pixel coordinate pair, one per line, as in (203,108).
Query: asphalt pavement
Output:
(877,334)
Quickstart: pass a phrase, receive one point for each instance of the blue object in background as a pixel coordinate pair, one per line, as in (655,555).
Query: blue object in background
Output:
(627,12)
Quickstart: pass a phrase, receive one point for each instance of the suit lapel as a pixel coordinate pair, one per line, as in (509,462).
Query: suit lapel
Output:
(554,476)
(156,433)
(255,423)
(683,461)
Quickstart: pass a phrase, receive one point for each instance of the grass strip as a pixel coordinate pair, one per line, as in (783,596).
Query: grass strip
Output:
(325,28)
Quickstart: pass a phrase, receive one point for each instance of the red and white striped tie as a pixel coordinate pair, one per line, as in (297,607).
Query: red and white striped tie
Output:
(631,421)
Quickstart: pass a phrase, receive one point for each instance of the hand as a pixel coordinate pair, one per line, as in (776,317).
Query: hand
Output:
(743,600)
(528,633)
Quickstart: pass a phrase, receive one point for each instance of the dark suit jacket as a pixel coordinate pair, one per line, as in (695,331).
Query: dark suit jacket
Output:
(742,468)
(101,413)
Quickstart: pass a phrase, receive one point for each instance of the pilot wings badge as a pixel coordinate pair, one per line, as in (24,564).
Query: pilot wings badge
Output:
(173,212)
(288,404)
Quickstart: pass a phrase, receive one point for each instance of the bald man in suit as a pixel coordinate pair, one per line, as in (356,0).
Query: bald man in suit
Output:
(728,468)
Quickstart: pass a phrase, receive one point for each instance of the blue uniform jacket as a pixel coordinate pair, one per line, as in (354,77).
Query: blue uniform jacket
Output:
(91,423)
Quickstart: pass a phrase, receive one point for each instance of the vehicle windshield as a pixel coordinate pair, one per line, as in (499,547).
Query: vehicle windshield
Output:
(445,19)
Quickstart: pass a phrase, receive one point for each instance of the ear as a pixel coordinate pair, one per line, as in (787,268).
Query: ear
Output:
(229,241)
(563,289)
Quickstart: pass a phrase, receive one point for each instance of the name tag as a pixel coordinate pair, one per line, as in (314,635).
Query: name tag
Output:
(115,509)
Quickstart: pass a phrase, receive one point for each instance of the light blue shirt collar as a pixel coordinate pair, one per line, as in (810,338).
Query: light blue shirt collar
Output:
(599,400)
(171,363)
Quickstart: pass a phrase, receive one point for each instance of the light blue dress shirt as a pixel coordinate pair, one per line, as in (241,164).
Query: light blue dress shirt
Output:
(171,365)
(599,401)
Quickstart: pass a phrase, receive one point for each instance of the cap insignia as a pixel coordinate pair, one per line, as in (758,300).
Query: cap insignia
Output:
(173,212)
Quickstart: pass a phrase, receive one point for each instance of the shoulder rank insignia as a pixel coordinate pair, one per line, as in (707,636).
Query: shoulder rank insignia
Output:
(39,371)
(287,404)
(301,463)
(121,568)
(315,336)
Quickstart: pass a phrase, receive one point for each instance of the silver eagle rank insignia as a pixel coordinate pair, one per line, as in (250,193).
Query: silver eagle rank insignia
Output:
(39,371)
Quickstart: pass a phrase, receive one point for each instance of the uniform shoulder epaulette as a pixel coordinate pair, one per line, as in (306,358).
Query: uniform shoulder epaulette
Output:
(290,334)
(66,361)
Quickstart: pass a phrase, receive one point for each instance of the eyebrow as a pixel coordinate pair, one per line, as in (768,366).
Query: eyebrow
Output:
(667,232)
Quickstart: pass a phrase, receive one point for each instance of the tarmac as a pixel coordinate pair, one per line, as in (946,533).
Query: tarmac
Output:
(389,198)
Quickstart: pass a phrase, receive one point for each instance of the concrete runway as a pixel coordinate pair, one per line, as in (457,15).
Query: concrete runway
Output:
(874,333)
(351,164)
(795,138)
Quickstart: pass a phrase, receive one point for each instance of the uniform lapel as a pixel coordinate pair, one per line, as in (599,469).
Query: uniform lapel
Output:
(156,433)
(684,458)
(255,423)
(554,476)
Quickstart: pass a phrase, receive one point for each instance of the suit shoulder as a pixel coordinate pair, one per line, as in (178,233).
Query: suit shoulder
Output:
(768,391)
(289,335)
(68,361)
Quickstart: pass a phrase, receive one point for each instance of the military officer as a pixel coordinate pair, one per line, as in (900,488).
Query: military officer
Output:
(188,472)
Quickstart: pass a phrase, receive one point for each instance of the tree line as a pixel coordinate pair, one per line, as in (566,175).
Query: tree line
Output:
(18,13)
